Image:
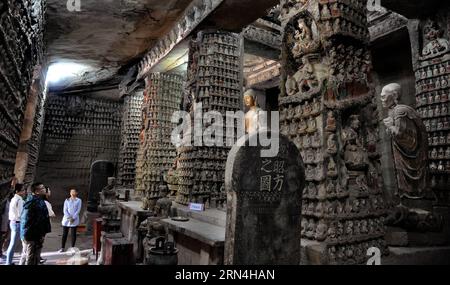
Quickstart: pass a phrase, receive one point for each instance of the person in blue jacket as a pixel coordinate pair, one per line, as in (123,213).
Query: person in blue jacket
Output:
(71,219)
(34,225)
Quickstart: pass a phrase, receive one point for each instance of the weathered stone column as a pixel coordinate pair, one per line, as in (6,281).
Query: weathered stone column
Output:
(162,97)
(328,110)
(31,130)
(131,127)
(215,76)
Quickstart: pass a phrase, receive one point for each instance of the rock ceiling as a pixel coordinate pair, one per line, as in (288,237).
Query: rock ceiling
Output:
(106,34)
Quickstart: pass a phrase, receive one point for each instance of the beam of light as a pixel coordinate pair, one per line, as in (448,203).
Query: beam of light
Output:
(64,70)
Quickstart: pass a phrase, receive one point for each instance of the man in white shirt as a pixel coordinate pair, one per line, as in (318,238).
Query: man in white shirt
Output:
(15,212)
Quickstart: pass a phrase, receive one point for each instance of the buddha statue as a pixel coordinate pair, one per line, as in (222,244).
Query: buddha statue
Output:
(309,156)
(409,144)
(332,168)
(316,140)
(331,122)
(302,127)
(321,231)
(355,155)
(332,144)
(312,125)
(252,120)
(298,112)
(291,86)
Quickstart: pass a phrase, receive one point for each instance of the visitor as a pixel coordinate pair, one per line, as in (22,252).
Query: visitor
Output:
(4,226)
(14,213)
(71,219)
(48,193)
(35,224)
(51,213)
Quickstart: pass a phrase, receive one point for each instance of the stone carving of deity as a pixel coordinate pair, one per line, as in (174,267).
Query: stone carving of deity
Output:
(303,38)
(312,125)
(331,122)
(332,168)
(355,155)
(436,44)
(302,127)
(108,196)
(298,112)
(332,144)
(315,107)
(409,143)
(325,12)
(291,86)
(321,231)
(316,140)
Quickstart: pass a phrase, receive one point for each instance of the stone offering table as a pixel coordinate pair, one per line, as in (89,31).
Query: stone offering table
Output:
(131,216)
(200,241)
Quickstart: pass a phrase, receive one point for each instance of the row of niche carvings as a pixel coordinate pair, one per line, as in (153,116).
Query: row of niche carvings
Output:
(432,103)
(214,80)
(77,132)
(131,127)
(162,97)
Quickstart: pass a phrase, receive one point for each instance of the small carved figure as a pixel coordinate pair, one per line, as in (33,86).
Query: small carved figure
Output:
(436,44)
(332,144)
(355,155)
(331,122)
(321,231)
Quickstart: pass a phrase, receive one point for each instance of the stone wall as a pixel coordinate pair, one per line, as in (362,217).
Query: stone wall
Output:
(131,126)
(162,97)
(432,73)
(21,49)
(34,142)
(77,132)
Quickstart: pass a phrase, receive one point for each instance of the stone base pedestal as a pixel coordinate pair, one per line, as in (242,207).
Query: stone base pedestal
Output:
(314,253)
(90,218)
(417,256)
(118,251)
(201,240)
(131,216)
(403,238)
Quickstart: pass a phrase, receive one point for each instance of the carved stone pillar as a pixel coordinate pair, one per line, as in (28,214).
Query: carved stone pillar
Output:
(328,110)
(162,97)
(30,135)
(131,127)
(215,76)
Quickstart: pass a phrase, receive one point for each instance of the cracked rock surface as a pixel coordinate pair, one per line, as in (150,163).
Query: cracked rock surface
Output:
(106,34)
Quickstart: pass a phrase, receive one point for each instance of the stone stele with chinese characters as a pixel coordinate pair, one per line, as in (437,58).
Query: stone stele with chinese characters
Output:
(264,197)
